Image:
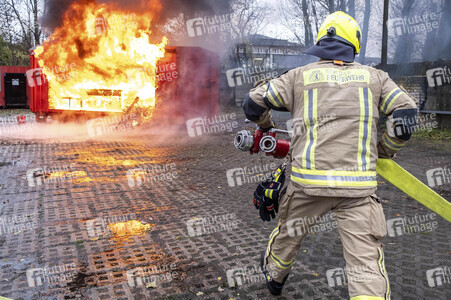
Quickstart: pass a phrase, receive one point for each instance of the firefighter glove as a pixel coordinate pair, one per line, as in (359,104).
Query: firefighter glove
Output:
(266,196)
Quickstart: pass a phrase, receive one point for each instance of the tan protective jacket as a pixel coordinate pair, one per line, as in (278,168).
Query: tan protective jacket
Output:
(335,112)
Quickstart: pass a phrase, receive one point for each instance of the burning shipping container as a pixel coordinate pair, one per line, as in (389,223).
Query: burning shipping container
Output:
(103,60)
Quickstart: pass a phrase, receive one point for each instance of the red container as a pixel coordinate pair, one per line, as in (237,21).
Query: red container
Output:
(39,95)
(14,91)
(188,86)
(195,92)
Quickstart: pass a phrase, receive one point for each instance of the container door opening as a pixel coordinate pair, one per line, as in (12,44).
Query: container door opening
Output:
(15,90)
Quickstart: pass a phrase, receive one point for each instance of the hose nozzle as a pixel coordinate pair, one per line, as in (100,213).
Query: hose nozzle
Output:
(268,144)
(244,140)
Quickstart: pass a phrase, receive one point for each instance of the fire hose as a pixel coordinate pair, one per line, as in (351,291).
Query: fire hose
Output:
(387,168)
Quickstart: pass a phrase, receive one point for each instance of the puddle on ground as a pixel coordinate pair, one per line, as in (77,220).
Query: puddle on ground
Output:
(75,176)
(129,228)
(100,156)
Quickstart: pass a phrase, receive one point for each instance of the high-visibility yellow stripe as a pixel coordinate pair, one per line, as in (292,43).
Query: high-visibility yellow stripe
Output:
(361,129)
(315,128)
(311,120)
(365,128)
(384,272)
(395,143)
(273,101)
(277,174)
(388,295)
(390,144)
(334,173)
(386,98)
(271,238)
(391,103)
(307,124)
(273,96)
(334,178)
(277,93)
(367,298)
(327,183)
(370,126)
(390,99)
(392,148)
(281,263)
(268,193)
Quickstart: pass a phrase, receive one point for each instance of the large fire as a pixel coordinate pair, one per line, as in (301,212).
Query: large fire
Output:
(101,59)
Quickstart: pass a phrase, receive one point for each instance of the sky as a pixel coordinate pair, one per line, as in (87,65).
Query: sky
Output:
(275,28)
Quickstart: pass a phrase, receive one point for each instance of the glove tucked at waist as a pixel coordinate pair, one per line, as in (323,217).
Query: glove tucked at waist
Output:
(266,196)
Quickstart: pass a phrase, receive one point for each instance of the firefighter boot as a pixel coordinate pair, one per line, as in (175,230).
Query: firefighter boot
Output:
(274,287)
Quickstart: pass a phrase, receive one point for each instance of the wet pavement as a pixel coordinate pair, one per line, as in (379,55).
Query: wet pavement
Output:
(155,217)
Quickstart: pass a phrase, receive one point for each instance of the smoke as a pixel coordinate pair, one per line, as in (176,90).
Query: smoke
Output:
(54,12)
(161,10)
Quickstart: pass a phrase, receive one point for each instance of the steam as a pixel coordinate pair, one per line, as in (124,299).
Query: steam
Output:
(70,132)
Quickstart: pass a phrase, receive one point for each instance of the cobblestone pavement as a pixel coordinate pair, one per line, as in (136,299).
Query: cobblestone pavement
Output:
(72,223)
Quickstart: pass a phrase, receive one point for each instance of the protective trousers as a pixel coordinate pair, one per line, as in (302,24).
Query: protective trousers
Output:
(361,225)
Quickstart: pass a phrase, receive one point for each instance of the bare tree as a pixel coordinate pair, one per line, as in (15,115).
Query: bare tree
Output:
(24,14)
(20,28)
(330,4)
(303,17)
(341,5)
(296,17)
(9,30)
(404,45)
(443,40)
(365,30)
(429,53)
(351,8)
(307,24)
(174,28)
(315,16)
(249,17)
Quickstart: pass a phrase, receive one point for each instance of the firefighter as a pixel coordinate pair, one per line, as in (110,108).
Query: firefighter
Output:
(333,168)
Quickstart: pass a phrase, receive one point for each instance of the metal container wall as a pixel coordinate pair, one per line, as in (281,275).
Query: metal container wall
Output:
(195,92)
(39,103)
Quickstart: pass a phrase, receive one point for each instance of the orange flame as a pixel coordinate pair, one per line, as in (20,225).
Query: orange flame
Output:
(101,59)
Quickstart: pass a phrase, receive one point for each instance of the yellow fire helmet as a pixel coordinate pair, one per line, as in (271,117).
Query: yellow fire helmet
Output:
(342,27)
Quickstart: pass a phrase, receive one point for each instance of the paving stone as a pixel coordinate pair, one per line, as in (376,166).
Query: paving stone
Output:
(67,229)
